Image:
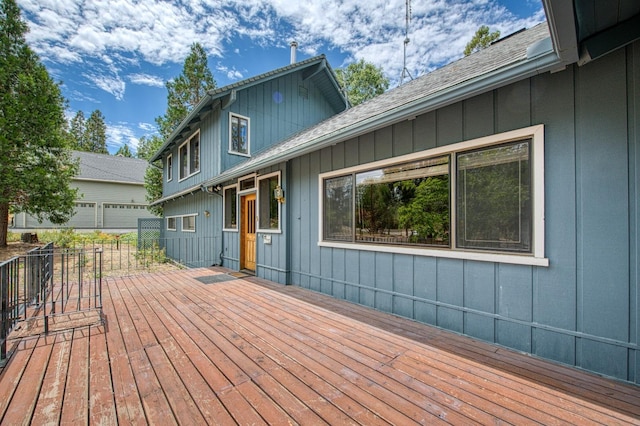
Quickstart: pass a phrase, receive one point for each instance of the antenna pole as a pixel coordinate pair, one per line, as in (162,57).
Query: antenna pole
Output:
(405,70)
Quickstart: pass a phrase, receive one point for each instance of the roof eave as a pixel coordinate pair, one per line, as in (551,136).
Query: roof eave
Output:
(190,117)
(545,61)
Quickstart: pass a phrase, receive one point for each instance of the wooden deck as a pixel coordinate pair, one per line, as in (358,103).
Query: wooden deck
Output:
(203,347)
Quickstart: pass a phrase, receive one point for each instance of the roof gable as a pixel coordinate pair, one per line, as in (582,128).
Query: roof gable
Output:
(316,68)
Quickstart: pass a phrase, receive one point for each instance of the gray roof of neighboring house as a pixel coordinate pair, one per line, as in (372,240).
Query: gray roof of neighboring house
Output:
(110,168)
(512,58)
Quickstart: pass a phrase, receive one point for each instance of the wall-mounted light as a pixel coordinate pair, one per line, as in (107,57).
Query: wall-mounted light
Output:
(278,194)
(218,188)
(206,213)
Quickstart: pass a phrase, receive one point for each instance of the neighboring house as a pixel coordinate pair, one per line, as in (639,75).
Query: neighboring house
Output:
(496,197)
(111,195)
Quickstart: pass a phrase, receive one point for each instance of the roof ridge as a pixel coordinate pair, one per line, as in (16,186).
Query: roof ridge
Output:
(235,85)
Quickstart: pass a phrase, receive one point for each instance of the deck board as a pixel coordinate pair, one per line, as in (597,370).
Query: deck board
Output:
(172,350)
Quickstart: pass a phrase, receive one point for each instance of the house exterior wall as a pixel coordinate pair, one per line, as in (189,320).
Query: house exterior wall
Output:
(209,129)
(582,309)
(277,109)
(202,247)
(102,205)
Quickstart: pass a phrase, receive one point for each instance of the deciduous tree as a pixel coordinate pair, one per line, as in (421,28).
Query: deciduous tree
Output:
(362,81)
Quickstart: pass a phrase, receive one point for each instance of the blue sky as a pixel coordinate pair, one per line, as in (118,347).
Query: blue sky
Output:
(116,55)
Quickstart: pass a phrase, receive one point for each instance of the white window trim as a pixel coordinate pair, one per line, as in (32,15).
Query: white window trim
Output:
(169,164)
(176,223)
(231,151)
(247,177)
(187,142)
(268,230)
(535,258)
(182,223)
(224,208)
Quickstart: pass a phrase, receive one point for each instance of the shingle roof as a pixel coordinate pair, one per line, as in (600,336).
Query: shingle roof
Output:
(104,167)
(425,93)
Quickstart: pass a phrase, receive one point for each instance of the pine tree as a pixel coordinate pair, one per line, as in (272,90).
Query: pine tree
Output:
(183,94)
(124,151)
(186,90)
(95,134)
(32,136)
(480,40)
(76,131)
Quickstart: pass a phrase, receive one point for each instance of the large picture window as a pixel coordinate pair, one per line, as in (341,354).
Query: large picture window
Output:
(189,153)
(494,198)
(269,207)
(481,196)
(238,134)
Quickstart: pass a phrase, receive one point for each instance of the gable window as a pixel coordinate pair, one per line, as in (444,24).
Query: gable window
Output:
(238,134)
(169,167)
(230,208)
(268,205)
(480,199)
(171,223)
(189,153)
(189,223)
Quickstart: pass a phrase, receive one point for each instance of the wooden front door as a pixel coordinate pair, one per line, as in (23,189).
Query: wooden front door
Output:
(248,232)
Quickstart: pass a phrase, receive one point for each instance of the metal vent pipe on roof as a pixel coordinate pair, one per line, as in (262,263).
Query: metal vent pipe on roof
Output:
(294,46)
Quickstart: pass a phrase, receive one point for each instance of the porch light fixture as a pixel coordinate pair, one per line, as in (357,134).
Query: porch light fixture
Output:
(206,213)
(278,194)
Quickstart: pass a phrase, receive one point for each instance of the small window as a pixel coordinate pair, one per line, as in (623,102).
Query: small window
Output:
(189,153)
(247,183)
(169,168)
(230,207)
(238,135)
(268,205)
(189,223)
(171,223)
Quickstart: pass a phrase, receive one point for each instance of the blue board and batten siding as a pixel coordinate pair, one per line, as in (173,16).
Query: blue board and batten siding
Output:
(203,247)
(582,309)
(276,109)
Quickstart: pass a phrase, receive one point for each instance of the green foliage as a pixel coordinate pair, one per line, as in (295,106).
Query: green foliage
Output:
(186,90)
(362,81)
(124,151)
(428,211)
(183,94)
(88,135)
(77,128)
(151,254)
(32,132)
(96,134)
(147,147)
(481,39)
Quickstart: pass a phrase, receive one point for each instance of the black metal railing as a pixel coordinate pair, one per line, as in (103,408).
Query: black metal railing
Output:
(45,283)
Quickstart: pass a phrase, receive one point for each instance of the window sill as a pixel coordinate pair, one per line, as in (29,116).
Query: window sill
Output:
(515,259)
(239,154)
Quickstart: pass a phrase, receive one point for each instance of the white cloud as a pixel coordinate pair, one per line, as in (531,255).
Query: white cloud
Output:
(231,73)
(120,134)
(161,32)
(110,84)
(146,80)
